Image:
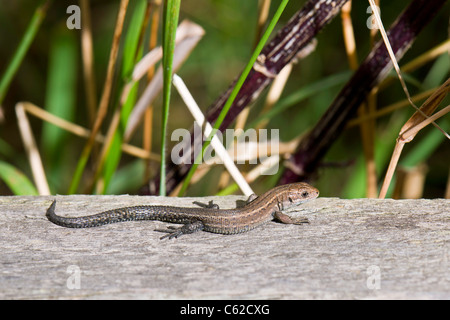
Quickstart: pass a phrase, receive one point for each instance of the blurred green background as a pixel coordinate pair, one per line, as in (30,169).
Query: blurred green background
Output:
(220,56)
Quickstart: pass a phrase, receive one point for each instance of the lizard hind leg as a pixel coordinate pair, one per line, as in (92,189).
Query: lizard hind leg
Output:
(175,232)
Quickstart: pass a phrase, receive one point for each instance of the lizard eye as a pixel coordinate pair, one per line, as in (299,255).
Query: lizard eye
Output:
(305,194)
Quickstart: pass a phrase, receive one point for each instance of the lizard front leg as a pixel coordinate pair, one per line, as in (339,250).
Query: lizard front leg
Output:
(175,232)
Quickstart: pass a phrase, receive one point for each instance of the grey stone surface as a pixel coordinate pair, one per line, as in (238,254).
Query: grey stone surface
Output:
(351,249)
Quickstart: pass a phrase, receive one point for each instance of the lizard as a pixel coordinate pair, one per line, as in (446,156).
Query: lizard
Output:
(257,211)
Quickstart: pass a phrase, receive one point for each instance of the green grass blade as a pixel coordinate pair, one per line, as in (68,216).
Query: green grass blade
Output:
(78,172)
(422,150)
(61,94)
(115,151)
(426,145)
(438,73)
(170,23)
(384,145)
(18,182)
(131,54)
(122,183)
(105,100)
(233,93)
(21,51)
(132,38)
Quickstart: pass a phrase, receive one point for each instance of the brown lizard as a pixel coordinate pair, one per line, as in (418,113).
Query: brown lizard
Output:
(256,212)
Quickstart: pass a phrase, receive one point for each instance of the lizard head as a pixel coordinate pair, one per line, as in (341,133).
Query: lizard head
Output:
(300,192)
